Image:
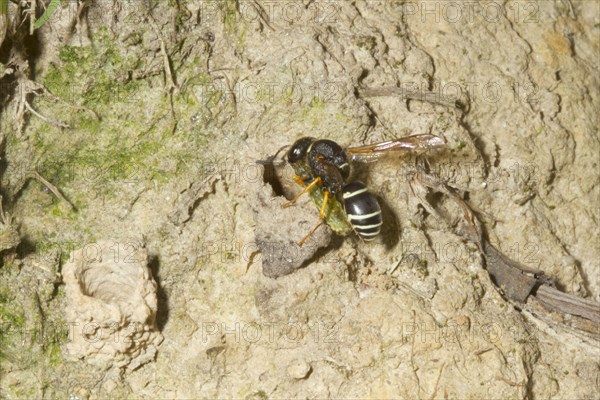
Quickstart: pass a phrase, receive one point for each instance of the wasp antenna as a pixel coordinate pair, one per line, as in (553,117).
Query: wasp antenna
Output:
(270,160)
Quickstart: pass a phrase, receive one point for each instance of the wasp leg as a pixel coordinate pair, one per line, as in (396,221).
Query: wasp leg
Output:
(324,206)
(306,189)
(298,180)
(300,243)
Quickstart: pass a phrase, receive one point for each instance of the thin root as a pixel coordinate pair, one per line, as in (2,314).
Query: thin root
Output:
(35,175)
(49,120)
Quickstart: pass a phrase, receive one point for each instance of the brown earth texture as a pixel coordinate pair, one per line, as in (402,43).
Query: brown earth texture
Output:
(145,252)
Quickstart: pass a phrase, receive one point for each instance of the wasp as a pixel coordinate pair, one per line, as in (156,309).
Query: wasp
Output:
(322,168)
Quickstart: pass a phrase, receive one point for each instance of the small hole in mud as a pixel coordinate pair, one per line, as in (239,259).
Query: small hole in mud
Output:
(270,177)
(434,198)
(423,211)
(109,283)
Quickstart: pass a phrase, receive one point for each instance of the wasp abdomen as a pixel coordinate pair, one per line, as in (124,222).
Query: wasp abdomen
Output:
(363,210)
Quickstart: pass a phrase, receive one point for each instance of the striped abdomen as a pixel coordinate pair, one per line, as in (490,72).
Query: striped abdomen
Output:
(363,210)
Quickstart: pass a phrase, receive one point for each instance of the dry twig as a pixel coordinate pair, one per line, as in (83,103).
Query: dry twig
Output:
(519,284)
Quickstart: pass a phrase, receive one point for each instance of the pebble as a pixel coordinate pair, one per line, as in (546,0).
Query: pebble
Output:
(568,260)
(299,369)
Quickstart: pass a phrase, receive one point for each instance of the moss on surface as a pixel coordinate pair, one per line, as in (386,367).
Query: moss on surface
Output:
(125,134)
(235,24)
(12,317)
(119,146)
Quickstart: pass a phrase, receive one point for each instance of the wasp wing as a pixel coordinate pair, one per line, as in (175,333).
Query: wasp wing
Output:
(414,143)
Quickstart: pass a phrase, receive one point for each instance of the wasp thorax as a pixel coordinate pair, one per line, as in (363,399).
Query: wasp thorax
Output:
(328,161)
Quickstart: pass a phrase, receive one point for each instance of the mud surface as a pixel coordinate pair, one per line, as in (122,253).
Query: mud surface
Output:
(147,127)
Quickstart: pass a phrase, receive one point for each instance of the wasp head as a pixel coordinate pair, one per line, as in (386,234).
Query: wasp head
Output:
(299,150)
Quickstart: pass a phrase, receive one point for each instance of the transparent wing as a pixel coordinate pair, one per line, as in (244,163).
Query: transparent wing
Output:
(414,143)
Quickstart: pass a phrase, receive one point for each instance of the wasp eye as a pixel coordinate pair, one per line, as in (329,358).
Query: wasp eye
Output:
(299,149)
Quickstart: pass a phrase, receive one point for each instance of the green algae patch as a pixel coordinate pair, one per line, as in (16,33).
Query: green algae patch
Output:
(30,344)
(131,136)
(92,76)
(12,318)
(235,25)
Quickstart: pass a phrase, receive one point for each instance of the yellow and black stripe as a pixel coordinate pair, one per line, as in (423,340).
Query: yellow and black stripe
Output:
(363,210)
